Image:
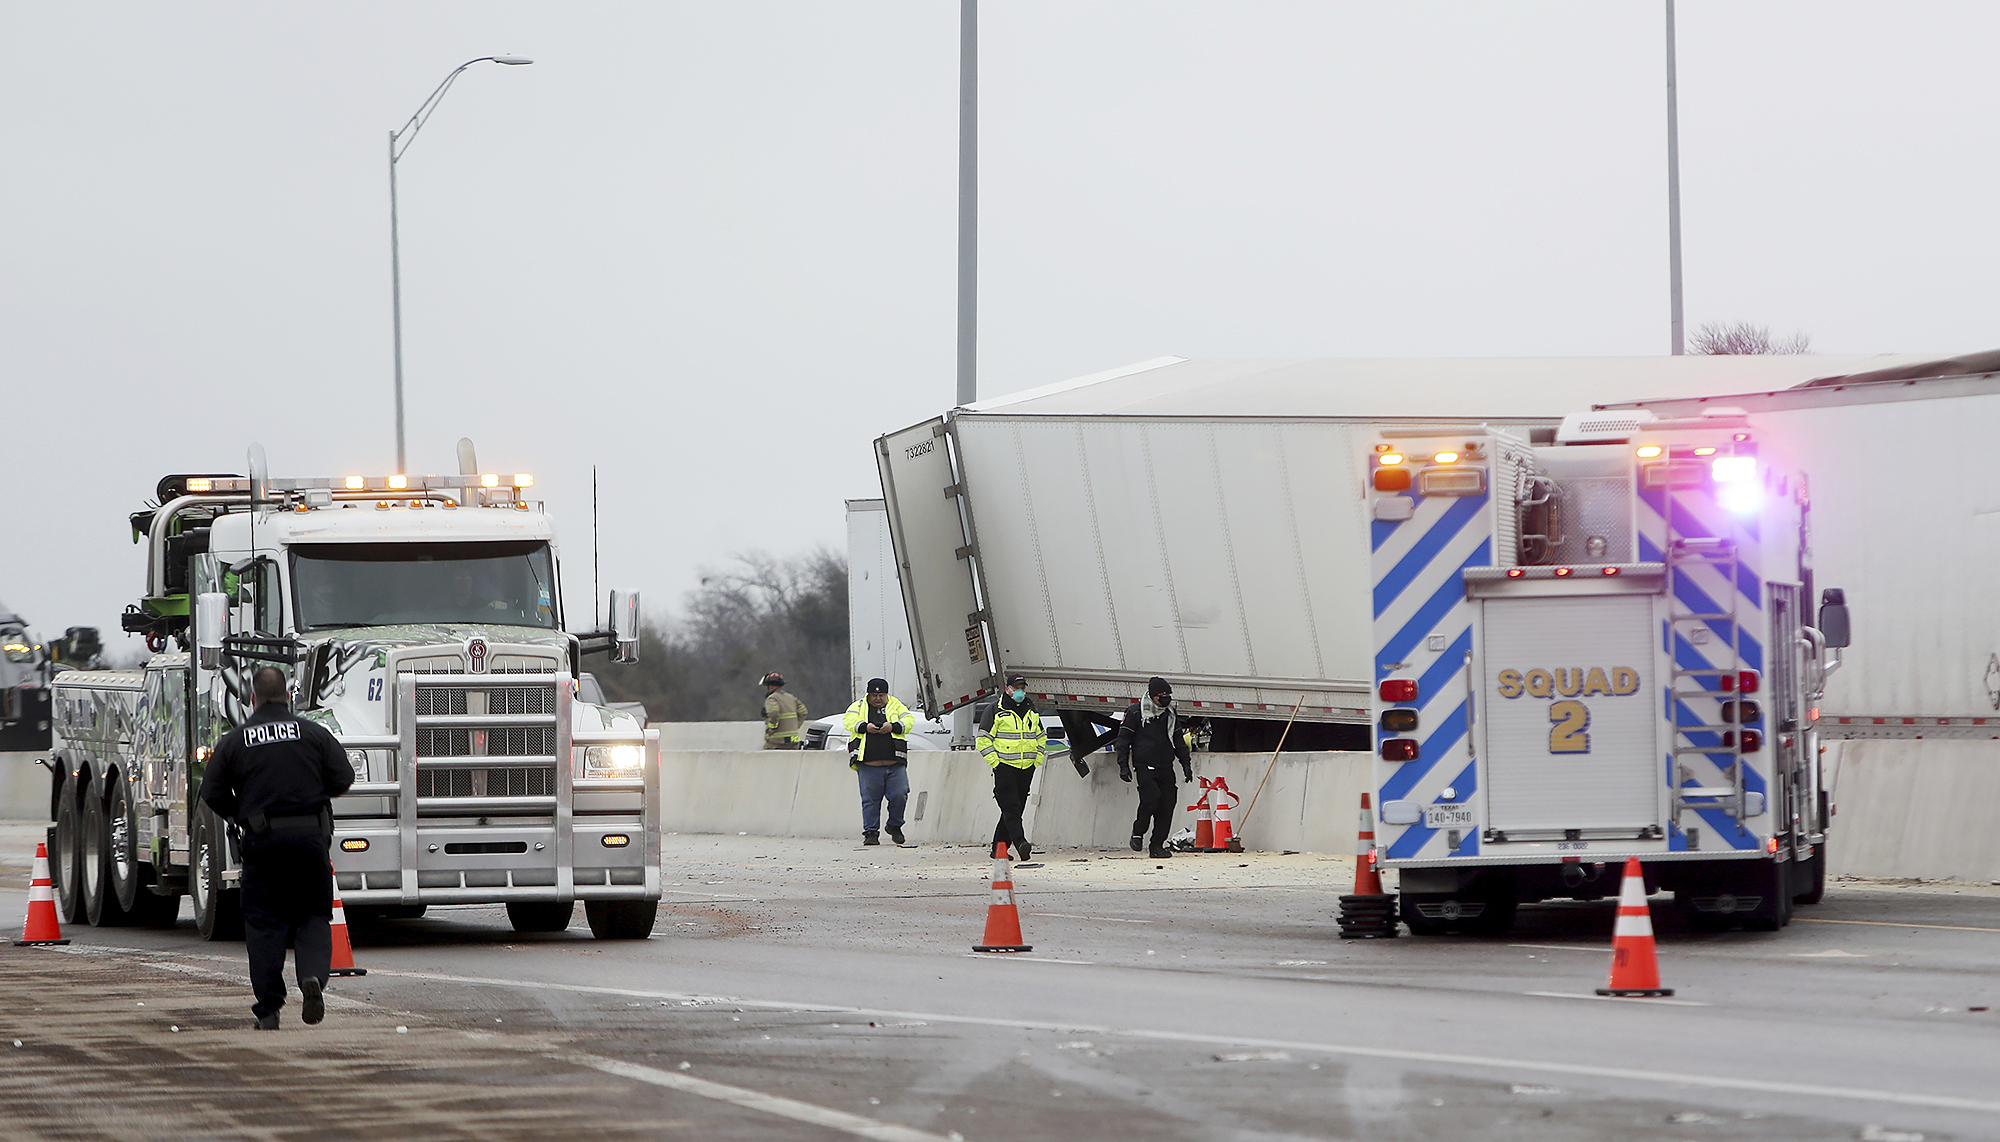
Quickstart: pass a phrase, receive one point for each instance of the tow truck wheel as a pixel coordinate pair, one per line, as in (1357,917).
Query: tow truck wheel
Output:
(621,919)
(218,910)
(540,915)
(100,897)
(65,851)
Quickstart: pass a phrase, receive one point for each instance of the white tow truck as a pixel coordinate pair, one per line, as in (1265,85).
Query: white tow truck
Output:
(419,618)
(1593,649)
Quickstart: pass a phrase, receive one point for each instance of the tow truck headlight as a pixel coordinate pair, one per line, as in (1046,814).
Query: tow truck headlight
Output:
(612,760)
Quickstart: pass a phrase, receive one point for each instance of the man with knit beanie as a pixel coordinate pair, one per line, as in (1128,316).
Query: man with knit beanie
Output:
(1149,740)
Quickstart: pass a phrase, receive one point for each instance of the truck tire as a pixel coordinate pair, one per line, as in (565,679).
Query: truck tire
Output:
(218,908)
(132,881)
(1809,878)
(540,915)
(100,897)
(621,919)
(66,852)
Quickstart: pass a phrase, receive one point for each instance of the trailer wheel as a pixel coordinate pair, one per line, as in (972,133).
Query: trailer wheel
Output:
(540,915)
(218,909)
(621,919)
(65,853)
(1809,878)
(100,897)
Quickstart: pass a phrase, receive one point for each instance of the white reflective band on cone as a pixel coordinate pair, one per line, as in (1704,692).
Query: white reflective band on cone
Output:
(1639,925)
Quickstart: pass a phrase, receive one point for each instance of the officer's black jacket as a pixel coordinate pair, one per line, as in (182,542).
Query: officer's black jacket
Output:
(1153,744)
(276,765)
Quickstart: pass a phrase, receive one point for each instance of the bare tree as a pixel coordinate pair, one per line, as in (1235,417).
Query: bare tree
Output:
(763,614)
(1740,338)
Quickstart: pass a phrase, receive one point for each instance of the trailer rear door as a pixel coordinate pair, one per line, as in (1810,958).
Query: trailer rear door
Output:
(1569,713)
(919,487)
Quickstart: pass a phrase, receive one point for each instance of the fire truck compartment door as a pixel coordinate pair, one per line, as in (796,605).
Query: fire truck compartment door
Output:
(1569,714)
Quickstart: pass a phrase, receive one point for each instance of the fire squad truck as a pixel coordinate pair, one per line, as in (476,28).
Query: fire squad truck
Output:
(419,618)
(1591,648)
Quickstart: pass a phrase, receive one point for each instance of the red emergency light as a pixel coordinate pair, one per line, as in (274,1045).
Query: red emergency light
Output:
(1399,749)
(1743,682)
(1398,690)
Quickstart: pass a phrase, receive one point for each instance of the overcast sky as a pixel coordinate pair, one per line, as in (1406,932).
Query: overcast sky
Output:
(711,248)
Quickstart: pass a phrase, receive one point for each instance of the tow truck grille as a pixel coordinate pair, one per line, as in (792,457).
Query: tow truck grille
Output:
(515,781)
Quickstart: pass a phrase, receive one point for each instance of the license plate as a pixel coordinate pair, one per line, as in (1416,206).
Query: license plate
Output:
(1448,816)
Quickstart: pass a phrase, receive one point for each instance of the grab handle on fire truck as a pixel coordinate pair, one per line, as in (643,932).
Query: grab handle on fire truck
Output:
(1814,644)
(1471,711)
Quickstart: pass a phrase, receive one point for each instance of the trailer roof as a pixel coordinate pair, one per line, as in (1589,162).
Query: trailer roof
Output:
(1390,387)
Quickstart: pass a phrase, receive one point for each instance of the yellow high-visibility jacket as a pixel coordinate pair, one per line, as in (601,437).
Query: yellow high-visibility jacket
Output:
(901,722)
(1010,737)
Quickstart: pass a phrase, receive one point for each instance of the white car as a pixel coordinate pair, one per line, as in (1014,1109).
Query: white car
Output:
(831,733)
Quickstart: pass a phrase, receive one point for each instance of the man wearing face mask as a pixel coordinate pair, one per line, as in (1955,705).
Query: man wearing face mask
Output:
(1148,741)
(1012,740)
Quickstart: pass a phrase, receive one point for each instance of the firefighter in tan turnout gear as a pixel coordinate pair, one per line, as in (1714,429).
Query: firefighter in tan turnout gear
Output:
(784,715)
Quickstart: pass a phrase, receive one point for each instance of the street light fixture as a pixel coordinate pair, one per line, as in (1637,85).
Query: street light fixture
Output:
(399,142)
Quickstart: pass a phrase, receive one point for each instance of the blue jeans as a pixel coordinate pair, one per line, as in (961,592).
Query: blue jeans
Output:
(878,782)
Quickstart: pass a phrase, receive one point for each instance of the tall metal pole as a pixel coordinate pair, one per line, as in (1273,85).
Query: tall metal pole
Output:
(396,300)
(1676,318)
(968,200)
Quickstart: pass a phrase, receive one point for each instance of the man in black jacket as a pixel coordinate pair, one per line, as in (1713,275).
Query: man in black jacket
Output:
(276,777)
(1149,740)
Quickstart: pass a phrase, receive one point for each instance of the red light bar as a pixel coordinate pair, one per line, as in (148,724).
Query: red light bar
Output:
(1563,572)
(1515,572)
(1398,690)
(1399,749)
(1611,571)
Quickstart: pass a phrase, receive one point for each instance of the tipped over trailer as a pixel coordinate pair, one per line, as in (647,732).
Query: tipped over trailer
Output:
(418,618)
(1205,521)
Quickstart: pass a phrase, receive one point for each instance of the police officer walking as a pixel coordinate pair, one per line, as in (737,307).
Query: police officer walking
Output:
(1149,740)
(1012,740)
(784,715)
(276,776)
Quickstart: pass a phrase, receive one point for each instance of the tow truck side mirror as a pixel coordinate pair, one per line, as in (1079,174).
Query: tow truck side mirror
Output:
(625,626)
(211,622)
(1833,617)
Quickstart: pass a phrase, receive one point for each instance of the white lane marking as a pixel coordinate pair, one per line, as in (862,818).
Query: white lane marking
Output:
(1619,998)
(1030,959)
(793,1109)
(1627,1074)
(1106,919)
(1892,924)
(1835,954)
(1563,948)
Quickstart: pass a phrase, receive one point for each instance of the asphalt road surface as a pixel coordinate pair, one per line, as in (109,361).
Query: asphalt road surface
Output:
(818,989)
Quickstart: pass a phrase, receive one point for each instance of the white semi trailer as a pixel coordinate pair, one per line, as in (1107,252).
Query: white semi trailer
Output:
(1204,520)
(420,619)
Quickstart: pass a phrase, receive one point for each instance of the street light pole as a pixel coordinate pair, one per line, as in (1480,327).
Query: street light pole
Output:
(399,142)
(1676,321)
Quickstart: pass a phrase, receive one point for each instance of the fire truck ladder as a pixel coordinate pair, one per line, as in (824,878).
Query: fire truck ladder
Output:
(1689,686)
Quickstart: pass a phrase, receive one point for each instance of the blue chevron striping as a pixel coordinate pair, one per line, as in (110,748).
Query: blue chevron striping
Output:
(1426,549)
(1416,836)
(1450,730)
(1449,594)
(1379,532)
(1695,599)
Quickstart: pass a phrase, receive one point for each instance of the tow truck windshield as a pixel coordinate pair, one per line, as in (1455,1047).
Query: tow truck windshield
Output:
(392,584)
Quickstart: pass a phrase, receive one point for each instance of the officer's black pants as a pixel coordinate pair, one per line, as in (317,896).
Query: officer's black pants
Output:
(1157,797)
(1010,789)
(287,903)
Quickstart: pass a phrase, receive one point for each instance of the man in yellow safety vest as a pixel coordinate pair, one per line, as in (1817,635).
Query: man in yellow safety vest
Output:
(1012,741)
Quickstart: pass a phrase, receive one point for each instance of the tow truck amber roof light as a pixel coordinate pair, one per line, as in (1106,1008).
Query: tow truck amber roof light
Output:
(489,480)
(399,482)
(356,483)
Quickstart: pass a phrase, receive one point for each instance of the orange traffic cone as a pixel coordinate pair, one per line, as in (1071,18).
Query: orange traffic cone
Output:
(1367,875)
(343,952)
(1204,818)
(1634,971)
(1224,838)
(1003,920)
(42,926)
